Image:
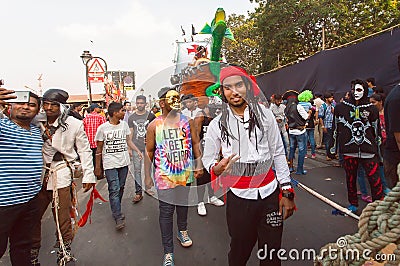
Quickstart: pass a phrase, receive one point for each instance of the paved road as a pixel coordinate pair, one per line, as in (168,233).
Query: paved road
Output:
(139,243)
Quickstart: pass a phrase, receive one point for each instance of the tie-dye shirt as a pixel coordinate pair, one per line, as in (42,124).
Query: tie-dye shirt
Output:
(173,156)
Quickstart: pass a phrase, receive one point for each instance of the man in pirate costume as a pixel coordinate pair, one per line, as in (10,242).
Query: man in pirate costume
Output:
(297,120)
(172,145)
(248,136)
(356,133)
(64,140)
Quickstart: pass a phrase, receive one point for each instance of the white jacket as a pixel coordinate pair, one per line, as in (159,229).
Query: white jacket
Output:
(65,142)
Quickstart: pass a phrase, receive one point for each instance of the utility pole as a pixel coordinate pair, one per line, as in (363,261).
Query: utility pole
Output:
(40,84)
(323,38)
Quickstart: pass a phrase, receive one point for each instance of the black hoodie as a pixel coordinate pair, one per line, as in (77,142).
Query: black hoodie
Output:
(356,127)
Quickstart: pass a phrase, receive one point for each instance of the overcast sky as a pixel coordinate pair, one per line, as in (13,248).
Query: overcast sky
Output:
(48,36)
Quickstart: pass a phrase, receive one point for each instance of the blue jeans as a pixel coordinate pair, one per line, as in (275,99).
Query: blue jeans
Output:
(137,172)
(328,139)
(285,140)
(116,179)
(169,200)
(301,141)
(310,137)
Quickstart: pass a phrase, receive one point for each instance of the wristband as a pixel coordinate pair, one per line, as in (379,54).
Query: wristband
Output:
(286,184)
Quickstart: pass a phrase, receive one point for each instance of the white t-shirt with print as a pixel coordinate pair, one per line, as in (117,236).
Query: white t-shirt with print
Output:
(115,148)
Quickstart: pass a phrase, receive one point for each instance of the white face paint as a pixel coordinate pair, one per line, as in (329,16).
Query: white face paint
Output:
(358,91)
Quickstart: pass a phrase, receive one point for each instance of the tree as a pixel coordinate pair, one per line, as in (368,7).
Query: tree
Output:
(244,50)
(293,29)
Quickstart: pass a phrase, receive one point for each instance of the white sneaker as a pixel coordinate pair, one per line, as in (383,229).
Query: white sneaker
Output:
(201,209)
(216,201)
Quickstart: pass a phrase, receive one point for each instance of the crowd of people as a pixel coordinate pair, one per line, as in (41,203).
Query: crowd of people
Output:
(360,130)
(239,145)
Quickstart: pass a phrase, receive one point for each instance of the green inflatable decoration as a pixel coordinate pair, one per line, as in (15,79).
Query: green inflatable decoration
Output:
(218,31)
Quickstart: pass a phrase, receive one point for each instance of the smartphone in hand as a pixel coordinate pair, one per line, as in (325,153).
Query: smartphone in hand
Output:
(22,97)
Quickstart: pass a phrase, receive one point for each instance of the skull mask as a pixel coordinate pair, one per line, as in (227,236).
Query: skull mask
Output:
(357,130)
(173,99)
(358,92)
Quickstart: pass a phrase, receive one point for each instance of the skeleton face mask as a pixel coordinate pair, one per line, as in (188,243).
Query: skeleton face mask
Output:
(173,99)
(358,91)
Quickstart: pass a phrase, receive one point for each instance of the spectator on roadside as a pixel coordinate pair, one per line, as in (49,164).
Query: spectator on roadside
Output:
(128,110)
(113,139)
(325,115)
(371,85)
(156,110)
(297,119)
(91,123)
(278,109)
(319,133)
(75,111)
(21,165)
(190,103)
(138,123)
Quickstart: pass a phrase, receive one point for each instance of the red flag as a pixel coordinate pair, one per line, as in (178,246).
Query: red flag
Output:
(89,207)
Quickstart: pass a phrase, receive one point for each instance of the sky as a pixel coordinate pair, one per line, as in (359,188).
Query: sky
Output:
(48,36)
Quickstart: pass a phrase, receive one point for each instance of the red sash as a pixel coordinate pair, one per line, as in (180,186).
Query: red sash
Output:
(241,182)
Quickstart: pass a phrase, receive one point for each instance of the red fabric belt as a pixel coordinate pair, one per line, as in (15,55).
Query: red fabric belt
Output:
(241,182)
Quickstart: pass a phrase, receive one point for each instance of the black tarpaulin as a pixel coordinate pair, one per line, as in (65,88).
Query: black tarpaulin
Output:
(333,70)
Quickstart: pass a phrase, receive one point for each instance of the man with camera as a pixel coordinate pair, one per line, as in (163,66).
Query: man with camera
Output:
(20,173)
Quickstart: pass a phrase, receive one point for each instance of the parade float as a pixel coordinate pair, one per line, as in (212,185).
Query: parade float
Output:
(379,223)
(201,76)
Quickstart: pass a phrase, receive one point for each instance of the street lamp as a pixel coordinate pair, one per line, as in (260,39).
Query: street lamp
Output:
(86,57)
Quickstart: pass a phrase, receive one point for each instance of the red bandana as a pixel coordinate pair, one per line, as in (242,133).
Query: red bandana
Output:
(238,71)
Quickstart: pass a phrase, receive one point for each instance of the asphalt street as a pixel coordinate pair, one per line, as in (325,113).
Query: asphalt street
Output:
(139,243)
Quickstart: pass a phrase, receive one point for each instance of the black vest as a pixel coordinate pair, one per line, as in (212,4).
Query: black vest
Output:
(295,121)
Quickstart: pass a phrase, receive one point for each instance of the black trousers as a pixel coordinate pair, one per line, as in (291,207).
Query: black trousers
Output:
(16,225)
(250,221)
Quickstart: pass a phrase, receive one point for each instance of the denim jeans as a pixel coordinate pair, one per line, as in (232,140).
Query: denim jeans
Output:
(137,172)
(328,139)
(310,138)
(17,222)
(285,140)
(301,141)
(116,182)
(169,200)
